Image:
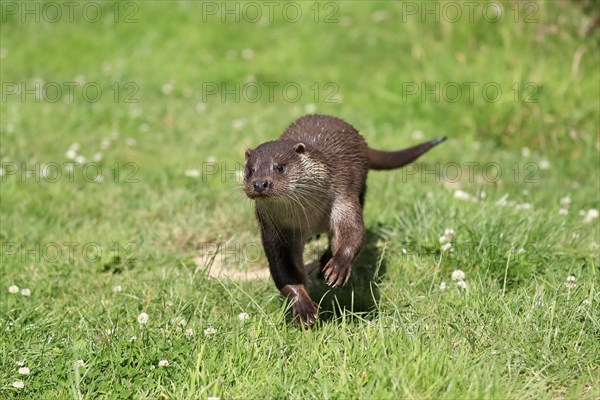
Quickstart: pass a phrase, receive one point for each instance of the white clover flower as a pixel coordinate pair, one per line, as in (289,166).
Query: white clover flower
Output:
(565,202)
(131,141)
(523,206)
(192,173)
(18,384)
(458,275)
(210,332)
(133,338)
(200,107)
(310,108)
(570,283)
(21,363)
(461,284)
(80,159)
(544,164)
(590,215)
(163,363)
(80,363)
(212,398)
(525,152)
(447,246)
(117,289)
(243,316)
(238,124)
(142,318)
(24,371)
(71,154)
(189,332)
(447,236)
(105,143)
(169,303)
(247,54)
(97,156)
(211,159)
(502,201)
(417,135)
(26,292)
(443,286)
(461,195)
(563,211)
(13,289)
(167,88)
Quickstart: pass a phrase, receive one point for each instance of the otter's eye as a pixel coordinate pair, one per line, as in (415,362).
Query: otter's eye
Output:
(278,167)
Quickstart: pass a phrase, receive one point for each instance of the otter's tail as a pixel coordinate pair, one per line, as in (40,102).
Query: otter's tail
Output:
(396,159)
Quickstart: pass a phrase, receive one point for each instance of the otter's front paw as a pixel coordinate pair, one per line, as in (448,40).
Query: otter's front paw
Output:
(305,312)
(336,273)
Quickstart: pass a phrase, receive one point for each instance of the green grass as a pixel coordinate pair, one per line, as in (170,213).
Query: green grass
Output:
(516,331)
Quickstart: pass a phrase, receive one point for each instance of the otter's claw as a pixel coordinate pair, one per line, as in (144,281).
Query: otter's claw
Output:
(336,274)
(305,312)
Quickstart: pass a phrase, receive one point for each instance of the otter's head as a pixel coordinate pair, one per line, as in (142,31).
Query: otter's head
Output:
(273,168)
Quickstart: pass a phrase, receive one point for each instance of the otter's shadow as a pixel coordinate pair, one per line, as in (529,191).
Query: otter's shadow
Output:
(361,293)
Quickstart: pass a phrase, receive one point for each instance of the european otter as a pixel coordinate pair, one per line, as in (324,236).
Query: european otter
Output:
(313,180)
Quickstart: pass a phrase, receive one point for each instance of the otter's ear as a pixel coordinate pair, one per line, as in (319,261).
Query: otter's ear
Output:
(299,148)
(247,153)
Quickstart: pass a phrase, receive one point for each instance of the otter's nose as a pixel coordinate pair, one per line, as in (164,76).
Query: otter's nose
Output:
(260,185)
